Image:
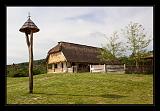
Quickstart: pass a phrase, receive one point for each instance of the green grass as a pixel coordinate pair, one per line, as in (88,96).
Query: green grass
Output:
(82,88)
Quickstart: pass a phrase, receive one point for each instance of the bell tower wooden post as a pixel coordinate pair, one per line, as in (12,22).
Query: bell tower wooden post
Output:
(29,28)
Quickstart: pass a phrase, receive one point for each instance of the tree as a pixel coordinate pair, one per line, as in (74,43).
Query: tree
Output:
(113,48)
(126,60)
(137,41)
(106,55)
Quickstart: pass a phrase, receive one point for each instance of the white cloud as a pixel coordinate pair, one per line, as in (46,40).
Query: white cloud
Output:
(72,24)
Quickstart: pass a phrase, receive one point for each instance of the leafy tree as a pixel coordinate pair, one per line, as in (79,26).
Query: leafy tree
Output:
(126,60)
(113,48)
(137,41)
(106,55)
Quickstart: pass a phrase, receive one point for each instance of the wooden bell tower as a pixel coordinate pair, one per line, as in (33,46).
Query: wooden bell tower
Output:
(29,28)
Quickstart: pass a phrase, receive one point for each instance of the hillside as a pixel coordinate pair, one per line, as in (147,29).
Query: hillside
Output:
(21,69)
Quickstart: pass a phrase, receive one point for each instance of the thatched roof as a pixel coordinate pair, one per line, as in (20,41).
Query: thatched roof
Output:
(28,26)
(77,52)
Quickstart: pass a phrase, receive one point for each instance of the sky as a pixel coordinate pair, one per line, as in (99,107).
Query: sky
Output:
(82,25)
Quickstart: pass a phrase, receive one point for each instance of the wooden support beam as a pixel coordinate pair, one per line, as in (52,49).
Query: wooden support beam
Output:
(31,64)
(30,49)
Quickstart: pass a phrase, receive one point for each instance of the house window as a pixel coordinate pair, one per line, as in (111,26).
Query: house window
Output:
(49,66)
(73,64)
(68,64)
(62,65)
(80,65)
(55,65)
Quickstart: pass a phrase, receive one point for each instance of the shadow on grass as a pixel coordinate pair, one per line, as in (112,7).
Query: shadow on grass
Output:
(104,96)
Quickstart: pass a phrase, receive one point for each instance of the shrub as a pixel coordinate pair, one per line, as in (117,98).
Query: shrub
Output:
(24,72)
(21,70)
(36,71)
(17,73)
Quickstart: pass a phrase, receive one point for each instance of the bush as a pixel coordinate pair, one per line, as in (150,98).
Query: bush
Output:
(21,70)
(24,72)
(37,71)
(18,73)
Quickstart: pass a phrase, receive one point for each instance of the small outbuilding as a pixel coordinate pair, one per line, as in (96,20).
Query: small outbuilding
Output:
(149,59)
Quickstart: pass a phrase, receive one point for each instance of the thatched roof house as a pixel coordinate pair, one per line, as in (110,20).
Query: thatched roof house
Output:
(77,53)
(70,57)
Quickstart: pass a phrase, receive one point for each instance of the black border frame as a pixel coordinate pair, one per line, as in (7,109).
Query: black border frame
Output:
(45,107)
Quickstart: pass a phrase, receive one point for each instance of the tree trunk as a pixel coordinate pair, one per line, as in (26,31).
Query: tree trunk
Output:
(137,69)
(136,63)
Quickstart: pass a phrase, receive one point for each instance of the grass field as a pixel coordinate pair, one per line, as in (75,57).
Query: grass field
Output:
(82,88)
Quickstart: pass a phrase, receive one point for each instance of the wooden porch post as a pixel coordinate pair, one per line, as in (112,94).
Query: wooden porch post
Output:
(90,66)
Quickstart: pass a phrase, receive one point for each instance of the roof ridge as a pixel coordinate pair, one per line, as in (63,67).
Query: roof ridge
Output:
(78,44)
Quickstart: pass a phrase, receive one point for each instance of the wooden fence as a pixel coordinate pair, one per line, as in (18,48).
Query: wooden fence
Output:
(128,69)
(145,69)
(108,68)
